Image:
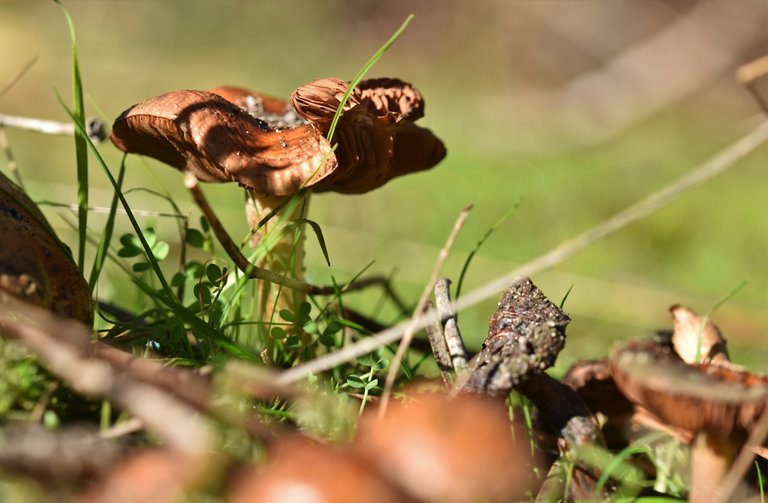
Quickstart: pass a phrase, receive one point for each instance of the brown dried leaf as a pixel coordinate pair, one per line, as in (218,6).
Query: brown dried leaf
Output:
(696,339)
(34,265)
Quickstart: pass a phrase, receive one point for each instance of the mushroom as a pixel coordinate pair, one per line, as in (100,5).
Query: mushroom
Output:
(592,380)
(442,450)
(34,265)
(151,475)
(303,470)
(719,405)
(273,149)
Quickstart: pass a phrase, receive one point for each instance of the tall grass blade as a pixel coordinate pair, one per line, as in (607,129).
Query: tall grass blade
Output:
(81,145)
(479,244)
(318,233)
(367,66)
(106,237)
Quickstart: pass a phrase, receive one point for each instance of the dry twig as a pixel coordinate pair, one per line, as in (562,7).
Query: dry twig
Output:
(439,348)
(64,347)
(451,333)
(95,128)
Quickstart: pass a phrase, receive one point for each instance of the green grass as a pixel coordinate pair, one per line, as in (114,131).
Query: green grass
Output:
(194,308)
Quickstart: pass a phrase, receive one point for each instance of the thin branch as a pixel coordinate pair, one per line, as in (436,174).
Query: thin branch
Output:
(18,76)
(95,128)
(440,349)
(713,166)
(451,333)
(749,75)
(107,210)
(63,346)
(420,308)
(10,159)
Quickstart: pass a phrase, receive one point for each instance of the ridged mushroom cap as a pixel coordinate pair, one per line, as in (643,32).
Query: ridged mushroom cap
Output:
(699,397)
(213,136)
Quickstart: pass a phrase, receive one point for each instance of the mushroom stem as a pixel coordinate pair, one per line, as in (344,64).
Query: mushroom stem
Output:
(254,272)
(284,256)
(710,459)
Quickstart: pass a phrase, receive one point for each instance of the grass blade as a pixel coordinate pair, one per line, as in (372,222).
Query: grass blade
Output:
(81,145)
(318,233)
(106,237)
(479,244)
(367,66)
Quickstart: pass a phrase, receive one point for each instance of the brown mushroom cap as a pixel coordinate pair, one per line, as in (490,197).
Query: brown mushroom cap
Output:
(205,134)
(593,381)
(393,96)
(149,476)
(34,265)
(442,450)
(317,101)
(693,397)
(212,135)
(240,97)
(298,469)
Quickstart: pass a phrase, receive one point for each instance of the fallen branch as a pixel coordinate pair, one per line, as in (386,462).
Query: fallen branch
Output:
(66,354)
(525,336)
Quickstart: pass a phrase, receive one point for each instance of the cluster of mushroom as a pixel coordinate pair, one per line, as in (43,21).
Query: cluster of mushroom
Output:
(274,148)
(683,384)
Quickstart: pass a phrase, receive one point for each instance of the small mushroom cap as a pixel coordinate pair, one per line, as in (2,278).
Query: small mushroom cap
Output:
(148,476)
(693,397)
(442,450)
(301,470)
(217,141)
(377,138)
(317,101)
(593,381)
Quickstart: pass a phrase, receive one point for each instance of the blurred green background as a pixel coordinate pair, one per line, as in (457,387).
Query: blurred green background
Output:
(569,110)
